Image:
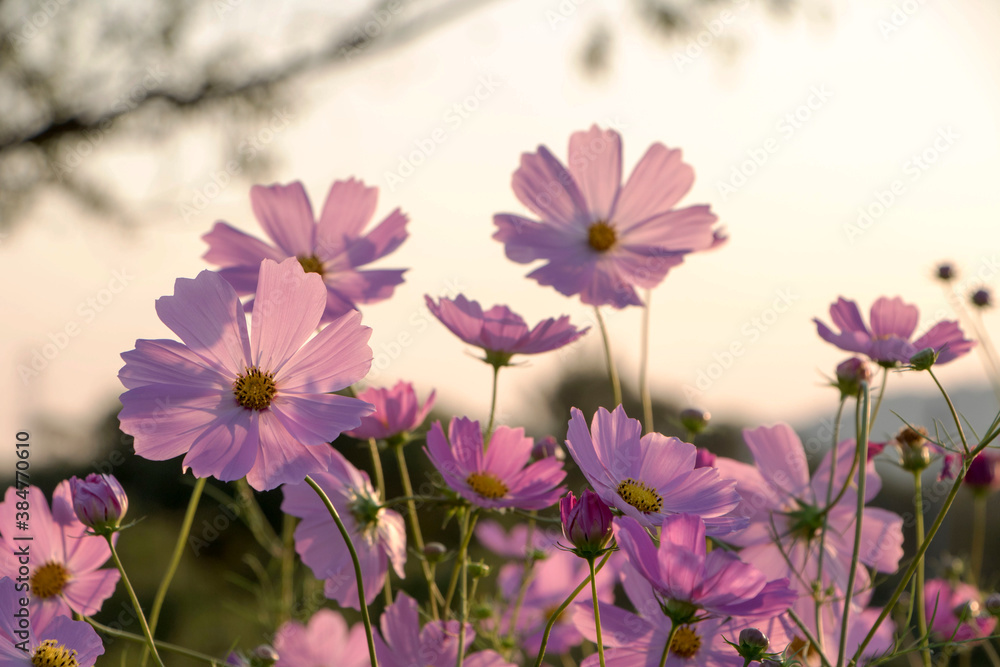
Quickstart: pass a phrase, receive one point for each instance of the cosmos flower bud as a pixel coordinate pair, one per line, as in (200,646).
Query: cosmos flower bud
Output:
(923,359)
(586,523)
(993,604)
(981,298)
(695,420)
(263,656)
(434,551)
(99,502)
(945,272)
(914,453)
(478,570)
(704,458)
(982,475)
(752,644)
(546,447)
(850,375)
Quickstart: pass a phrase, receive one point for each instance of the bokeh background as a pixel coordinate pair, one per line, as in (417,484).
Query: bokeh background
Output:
(847,146)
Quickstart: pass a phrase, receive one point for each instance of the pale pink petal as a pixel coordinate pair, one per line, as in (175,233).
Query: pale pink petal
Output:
(86,592)
(349,206)
(207,315)
(336,358)
(947,339)
(508,451)
(463,317)
(687,229)
(526,240)
(168,362)
(286,215)
(595,161)
(282,459)
(502,329)
(659,180)
(317,419)
(543,185)
(847,317)
(227,448)
(780,457)
(892,317)
(286,311)
(881,539)
(230,247)
(386,237)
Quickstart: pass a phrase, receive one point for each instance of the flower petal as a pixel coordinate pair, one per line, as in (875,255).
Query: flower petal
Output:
(543,185)
(337,357)
(287,309)
(595,162)
(659,180)
(286,215)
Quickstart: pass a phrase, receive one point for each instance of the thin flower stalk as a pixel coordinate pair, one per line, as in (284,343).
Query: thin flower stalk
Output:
(139,639)
(493,407)
(861,457)
(463,557)
(597,611)
(823,529)
(418,537)
(357,565)
(918,592)
(978,537)
(135,603)
(616,385)
(647,399)
(666,647)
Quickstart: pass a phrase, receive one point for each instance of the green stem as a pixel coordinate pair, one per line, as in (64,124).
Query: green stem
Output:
(666,647)
(978,536)
(881,393)
(465,537)
(597,611)
(287,568)
(918,593)
(493,409)
(567,602)
(529,569)
(175,559)
(822,535)
(470,521)
(922,549)
(647,399)
(616,385)
(377,467)
(357,566)
(135,602)
(173,648)
(861,455)
(809,636)
(954,412)
(418,537)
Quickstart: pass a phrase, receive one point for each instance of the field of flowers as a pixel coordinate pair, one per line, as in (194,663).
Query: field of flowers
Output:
(669,555)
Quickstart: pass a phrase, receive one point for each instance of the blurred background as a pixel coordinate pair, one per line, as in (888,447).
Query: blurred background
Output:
(847,146)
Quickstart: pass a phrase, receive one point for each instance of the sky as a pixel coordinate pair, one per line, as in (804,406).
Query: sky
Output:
(845,157)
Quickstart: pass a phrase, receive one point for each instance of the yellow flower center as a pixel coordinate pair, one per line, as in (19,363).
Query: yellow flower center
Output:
(640,496)
(51,654)
(49,580)
(311,264)
(686,642)
(486,485)
(254,389)
(601,236)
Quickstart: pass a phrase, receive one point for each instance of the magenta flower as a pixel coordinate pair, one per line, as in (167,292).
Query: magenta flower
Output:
(496,476)
(983,475)
(601,239)
(403,643)
(638,639)
(694,584)
(64,562)
(397,411)
(552,580)
(649,477)
(514,544)
(956,611)
(99,501)
(333,248)
(238,405)
(378,534)
(51,638)
(888,341)
(324,641)
(501,332)
(586,522)
(785,508)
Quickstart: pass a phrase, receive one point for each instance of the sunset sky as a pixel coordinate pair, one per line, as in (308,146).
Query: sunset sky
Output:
(845,156)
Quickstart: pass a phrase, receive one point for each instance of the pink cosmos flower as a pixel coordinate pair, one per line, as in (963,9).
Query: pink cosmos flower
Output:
(501,332)
(64,561)
(403,643)
(324,641)
(785,510)
(514,544)
(693,583)
(238,405)
(378,534)
(638,639)
(553,579)
(601,239)
(397,411)
(99,501)
(53,639)
(956,612)
(496,475)
(333,248)
(888,341)
(649,477)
